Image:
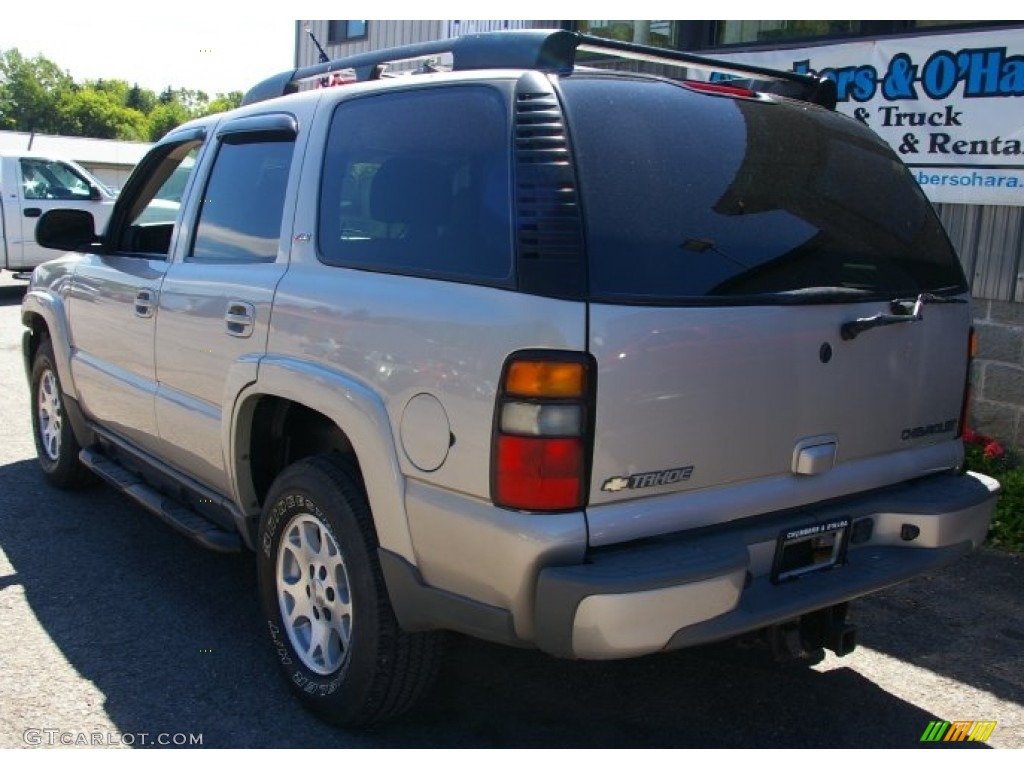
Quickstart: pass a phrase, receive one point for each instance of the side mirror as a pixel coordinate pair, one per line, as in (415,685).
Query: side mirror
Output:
(65,229)
(94,192)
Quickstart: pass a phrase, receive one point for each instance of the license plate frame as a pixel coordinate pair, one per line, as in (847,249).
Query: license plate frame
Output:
(810,548)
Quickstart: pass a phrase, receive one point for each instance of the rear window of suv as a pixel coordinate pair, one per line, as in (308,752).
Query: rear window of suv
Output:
(702,198)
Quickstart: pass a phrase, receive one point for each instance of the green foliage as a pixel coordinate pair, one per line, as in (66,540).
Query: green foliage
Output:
(100,114)
(1007,529)
(36,95)
(224,102)
(988,456)
(30,91)
(164,117)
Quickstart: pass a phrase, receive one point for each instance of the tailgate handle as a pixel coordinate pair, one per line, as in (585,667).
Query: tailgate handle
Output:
(814,455)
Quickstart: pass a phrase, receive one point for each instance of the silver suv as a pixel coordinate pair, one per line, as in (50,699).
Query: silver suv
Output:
(592,361)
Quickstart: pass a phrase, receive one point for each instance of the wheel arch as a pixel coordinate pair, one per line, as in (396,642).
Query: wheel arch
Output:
(44,316)
(296,409)
(44,313)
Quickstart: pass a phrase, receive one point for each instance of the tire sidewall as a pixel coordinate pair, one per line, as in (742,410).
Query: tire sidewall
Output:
(64,463)
(304,490)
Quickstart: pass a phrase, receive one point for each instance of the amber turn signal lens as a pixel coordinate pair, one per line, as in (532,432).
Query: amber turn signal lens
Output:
(536,378)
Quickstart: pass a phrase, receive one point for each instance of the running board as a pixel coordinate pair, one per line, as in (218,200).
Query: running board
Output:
(182,519)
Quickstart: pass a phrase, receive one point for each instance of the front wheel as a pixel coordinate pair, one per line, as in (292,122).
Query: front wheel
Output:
(327,609)
(56,445)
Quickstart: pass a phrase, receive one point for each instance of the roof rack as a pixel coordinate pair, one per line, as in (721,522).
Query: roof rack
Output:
(548,51)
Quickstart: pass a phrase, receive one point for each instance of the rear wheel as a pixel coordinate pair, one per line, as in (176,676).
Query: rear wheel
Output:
(327,609)
(56,445)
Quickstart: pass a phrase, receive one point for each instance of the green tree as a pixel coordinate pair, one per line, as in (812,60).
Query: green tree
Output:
(99,114)
(223,102)
(36,95)
(117,89)
(194,101)
(141,99)
(30,92)
(166,116)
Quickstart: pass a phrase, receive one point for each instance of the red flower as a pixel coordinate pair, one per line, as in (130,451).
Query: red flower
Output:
(994,450)
(971,437)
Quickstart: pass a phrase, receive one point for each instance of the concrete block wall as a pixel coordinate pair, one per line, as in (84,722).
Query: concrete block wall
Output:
(997,405)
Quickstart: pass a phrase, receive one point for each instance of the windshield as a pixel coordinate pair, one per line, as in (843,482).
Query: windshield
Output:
(689,196)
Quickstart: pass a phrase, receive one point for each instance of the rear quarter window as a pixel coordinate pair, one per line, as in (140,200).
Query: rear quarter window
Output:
(696,197)
(418,182)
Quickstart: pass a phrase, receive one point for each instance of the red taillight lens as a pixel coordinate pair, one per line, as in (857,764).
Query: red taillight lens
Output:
(542,440)
(539,474)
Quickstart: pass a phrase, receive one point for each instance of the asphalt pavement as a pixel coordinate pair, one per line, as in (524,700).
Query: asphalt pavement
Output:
(115,631)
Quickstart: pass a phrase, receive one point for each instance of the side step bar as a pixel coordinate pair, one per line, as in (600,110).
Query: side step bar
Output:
(179,517)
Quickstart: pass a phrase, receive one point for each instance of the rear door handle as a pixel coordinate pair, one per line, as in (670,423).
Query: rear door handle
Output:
(33,213)
(145,300)
(239,318)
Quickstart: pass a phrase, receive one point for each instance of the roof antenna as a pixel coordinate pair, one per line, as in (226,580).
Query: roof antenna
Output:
(324,58)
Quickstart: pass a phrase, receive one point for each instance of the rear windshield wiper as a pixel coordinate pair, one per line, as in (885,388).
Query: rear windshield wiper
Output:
(904,311)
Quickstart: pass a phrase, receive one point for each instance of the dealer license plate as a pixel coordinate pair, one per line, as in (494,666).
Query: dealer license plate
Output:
(809,548)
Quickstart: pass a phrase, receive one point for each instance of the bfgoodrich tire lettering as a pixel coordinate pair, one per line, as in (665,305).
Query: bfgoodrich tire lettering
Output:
(56,446)
(322,591)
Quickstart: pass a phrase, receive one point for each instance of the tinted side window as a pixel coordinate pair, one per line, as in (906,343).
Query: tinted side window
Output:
(693,196)
(419,182)
(243,203)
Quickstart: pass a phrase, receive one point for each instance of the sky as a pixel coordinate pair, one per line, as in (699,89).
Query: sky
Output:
(208,46)
(114,40)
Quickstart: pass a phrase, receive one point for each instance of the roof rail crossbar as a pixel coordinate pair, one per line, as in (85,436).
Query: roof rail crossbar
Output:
(545,50)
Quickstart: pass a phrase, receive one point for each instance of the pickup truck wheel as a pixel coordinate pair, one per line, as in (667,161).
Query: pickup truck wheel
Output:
(56,445)
(327,609)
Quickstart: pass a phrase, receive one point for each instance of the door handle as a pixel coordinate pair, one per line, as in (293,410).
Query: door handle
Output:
(33,213)
(144,302)
(239,318)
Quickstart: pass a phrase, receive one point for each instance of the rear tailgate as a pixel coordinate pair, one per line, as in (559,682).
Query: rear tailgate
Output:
(768,402)
(729,241)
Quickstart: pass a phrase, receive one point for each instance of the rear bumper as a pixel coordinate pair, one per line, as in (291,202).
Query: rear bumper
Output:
(699,587)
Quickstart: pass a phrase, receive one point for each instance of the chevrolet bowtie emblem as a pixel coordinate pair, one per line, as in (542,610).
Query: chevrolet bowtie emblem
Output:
(615,484)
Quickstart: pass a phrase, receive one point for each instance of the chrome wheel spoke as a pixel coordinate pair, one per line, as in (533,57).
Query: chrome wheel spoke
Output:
(50,416)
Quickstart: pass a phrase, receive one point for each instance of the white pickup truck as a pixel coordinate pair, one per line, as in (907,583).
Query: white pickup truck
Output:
(30,185)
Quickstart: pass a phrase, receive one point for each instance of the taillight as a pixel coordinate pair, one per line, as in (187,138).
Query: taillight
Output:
(542,432)
(965,407)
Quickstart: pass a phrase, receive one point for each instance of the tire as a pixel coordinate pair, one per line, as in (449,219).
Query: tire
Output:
(326,606)
(56,445)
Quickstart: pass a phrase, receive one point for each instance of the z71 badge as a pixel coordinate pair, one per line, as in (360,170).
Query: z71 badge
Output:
(647,479)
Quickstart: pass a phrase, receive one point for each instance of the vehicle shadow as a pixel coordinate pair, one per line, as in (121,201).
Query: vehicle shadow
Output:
(964,622)
(172,637)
